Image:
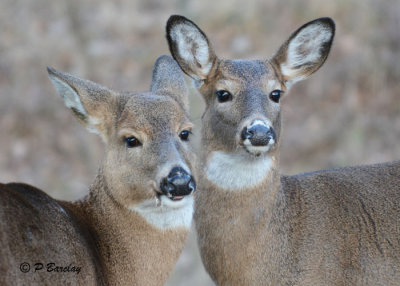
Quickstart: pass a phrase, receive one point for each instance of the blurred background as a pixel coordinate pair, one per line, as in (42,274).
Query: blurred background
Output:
(348,113)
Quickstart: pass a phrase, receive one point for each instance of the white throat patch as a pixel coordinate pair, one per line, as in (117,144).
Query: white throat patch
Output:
(168,214)
(236,171)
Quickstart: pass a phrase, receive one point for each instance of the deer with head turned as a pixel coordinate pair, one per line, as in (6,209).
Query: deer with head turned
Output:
(131,227)
(255,226)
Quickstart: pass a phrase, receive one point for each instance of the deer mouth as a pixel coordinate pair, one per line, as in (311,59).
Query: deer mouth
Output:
(257,151)
(175,202)
(174,198)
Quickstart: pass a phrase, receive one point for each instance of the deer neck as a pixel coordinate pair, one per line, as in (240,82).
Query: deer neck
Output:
(237,185)
(130,249)
(239,219)
(240,173)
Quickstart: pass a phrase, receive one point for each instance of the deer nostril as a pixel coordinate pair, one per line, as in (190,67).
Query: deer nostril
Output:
(246,133)
(271,133)
(192,185)
(167,186)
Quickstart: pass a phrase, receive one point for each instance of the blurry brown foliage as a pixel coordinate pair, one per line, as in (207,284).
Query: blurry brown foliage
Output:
(348,113)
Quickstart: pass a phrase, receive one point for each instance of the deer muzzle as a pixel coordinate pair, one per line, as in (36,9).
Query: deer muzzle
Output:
(258,134)
(178,184)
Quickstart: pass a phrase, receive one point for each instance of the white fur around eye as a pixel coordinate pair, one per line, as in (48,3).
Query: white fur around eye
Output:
(186,38)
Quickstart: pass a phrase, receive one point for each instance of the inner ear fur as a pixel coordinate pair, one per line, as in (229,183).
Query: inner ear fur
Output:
(305,51)
(190,47)
(92,104)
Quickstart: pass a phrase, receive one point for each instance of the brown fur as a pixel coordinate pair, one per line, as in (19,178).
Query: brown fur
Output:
(112,244)
(333,227)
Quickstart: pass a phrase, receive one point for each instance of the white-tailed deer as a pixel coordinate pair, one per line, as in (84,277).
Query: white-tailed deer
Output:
(257,227)
(132,226)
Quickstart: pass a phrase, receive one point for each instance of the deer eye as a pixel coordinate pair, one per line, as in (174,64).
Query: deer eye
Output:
(275,95)
(223,95)
(132,142)
(184,135)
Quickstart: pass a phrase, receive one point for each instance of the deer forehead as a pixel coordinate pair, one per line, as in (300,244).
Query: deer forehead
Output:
(152,114)
(236,75)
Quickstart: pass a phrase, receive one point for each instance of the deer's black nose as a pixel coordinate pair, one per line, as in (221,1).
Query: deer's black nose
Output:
(178,183)
(258,135)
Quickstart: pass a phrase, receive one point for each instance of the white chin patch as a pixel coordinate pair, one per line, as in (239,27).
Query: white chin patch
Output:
(231,171)
(258,150)
(166,214)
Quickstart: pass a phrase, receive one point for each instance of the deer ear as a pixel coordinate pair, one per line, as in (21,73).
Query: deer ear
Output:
(305,51)
(90,102)
(168,80)
(190,47)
